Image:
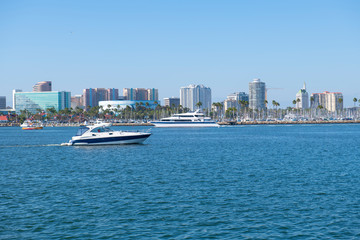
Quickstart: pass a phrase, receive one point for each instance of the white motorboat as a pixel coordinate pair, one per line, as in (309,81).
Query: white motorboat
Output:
(190,119)
(29,125)
(101,134)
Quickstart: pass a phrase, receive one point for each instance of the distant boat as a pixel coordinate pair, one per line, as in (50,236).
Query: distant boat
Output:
(190,119)
(29,125)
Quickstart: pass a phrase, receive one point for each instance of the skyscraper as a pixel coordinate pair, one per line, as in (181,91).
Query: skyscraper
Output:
(257,90)
(2,102)
(141,94)
(92,96)
(191,95)
(44,86)
(112,94)
(101,95)
(303,96)
(331,101)
(152,94)
(89,98)
(76,101)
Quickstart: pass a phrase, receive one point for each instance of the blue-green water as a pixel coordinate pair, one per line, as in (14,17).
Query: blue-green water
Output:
(262,182)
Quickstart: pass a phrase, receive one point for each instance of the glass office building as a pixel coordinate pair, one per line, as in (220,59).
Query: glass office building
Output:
(32,101)
(257,94)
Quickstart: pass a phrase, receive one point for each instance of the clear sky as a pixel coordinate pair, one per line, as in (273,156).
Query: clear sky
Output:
(173,43)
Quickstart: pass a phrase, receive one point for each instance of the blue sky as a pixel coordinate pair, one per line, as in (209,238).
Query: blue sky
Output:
(170,44)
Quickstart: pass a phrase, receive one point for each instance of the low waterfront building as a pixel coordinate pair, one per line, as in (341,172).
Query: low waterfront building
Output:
(7,111)
(121,104)
(33,101)
(4,119)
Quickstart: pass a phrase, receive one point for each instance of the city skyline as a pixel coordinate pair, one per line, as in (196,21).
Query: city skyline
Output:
(167,45)
(92,96)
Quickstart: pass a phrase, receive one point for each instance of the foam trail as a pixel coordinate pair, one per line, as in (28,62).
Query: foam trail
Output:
(42,145)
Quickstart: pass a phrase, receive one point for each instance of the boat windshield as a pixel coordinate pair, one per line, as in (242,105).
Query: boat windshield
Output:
(81,130)
(102,129)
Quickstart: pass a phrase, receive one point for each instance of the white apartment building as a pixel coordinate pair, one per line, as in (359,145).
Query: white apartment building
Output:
(193,94)
(331,101)
(233,99)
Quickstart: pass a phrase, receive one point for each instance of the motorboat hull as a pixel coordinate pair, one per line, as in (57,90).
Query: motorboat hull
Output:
(32,128)
(116,140)
(175,124)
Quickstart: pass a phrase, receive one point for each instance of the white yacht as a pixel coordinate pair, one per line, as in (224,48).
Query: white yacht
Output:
(190,119)
(101,134)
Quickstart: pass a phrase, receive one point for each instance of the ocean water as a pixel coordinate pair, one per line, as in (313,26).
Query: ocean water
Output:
(243,182)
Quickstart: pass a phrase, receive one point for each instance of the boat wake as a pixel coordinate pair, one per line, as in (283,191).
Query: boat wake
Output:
(35,145)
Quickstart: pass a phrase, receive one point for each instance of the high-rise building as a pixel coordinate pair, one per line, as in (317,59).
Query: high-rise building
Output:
(129,94)
(32,101)
(89,98)
(172,102)
(92,96)
(331,101)
(303,96)
(44,86)
(233,100)
(13,94)
(2,102)
(257,92)
(76,101)
(141,94)
(191,95)
(101,95)
(112,94)
(152,94)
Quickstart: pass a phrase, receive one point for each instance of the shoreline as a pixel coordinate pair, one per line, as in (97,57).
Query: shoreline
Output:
(288,122)
(220,123)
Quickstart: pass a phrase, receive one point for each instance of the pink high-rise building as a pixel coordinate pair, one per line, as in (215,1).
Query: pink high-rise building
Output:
(92,96)
(112,94)
(42,87)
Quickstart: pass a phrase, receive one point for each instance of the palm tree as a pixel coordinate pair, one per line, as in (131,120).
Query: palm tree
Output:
(273,103)
(312,100)
(355,100)
(294,102)
(198,105)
